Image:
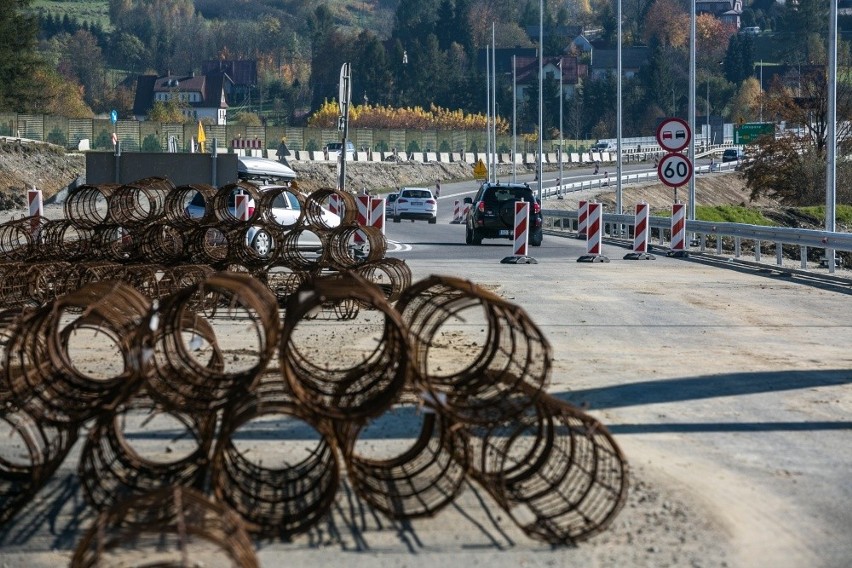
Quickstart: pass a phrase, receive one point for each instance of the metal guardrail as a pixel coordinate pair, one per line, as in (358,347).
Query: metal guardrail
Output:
(617,225)
(626,179)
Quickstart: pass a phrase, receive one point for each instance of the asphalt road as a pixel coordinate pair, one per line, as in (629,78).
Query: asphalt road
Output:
(728,388)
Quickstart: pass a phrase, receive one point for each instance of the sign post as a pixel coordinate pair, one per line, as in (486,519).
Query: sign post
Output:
(344,96)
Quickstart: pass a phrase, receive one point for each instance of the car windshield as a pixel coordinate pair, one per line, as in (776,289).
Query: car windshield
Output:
(417,193)
(501,194)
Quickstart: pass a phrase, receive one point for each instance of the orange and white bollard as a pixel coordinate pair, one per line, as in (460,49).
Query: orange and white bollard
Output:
(678,245)
(640,234)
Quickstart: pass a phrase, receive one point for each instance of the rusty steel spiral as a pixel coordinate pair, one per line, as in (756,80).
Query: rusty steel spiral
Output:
(140,202)
(345,253)
(503,349)
(224,202)
(275,197)
(391,275)
(162,243)
(20,239)
(47,365)
(189,372)
(172,526)
(365,382)
(319,200)
(276,462)
(61,239)
(87,206)
(113,466)
(117,244)
(407,479)
(290,254)
(283,281)
(555,470)
(178,199)
(37,449)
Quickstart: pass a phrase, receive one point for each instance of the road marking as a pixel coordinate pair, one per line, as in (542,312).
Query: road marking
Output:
(396,246)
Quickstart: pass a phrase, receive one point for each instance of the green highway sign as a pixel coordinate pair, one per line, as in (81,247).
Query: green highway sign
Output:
(749,133)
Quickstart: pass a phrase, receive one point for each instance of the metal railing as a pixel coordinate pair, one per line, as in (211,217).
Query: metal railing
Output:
(621,226)
(626,179)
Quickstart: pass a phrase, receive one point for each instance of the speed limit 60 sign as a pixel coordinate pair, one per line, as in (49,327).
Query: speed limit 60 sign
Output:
(674,170)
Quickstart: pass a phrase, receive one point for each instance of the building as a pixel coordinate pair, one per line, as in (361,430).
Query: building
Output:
(605,61)
(726,11)
(573,72)
(202,97)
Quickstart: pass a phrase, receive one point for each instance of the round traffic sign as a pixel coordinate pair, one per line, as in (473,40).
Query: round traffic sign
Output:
(673,134)
(674,170)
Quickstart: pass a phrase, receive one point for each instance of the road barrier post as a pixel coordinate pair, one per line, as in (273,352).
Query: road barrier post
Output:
(594,231)
(36,203)
(377,214)
(678,244)
(640,234)
(521,236)
(582,218)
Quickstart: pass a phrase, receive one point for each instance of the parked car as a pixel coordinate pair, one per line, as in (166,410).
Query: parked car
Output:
(492,213)
(416,203)
(603,147)
(333,150)
(286,210)
(260,170)
(732,155)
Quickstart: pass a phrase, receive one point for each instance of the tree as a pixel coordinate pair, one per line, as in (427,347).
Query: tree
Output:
(792,168)
(745,105)
(168,112)
(18,59)
(667,23)
(739,59)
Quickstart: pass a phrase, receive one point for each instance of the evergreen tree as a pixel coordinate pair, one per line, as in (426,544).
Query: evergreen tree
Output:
(18,58)
(739,59)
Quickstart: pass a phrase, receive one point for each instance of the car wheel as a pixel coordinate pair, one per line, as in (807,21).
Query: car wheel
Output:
(475,238)
(536,239)
(262,243)
(433,220)
(396,219)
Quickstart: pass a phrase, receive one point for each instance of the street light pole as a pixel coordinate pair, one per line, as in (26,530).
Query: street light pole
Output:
(514,123)
(540,98)
(561,144)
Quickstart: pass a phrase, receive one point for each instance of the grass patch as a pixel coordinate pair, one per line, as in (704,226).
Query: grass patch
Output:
(726,214)
(843,213)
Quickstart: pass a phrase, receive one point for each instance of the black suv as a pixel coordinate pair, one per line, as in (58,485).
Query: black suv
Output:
(492,213)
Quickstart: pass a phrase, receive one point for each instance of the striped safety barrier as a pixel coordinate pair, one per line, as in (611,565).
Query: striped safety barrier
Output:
(245,143)
(363,217)
(335,205)
(522,219)
(582,218)
(36,203)
(457,212)
(241,202)
(377,214)
(594,229)
(640,232)
(678,228)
